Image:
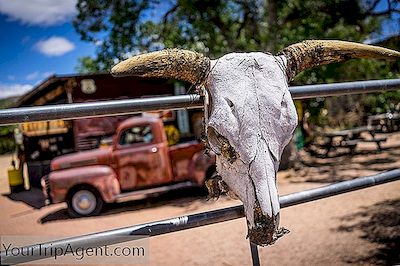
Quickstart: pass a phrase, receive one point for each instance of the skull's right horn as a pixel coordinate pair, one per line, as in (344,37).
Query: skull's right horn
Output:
(173,63)
(308,54)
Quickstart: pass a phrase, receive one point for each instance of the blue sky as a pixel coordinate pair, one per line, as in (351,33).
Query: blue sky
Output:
(37,39)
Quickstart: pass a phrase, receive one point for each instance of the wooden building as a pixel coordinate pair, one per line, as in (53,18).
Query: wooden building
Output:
(47,139)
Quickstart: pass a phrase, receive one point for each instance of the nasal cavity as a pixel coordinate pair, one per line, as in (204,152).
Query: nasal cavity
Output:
(230,103)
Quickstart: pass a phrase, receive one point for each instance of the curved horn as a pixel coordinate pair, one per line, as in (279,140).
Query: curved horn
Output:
(308,54)
(172,63)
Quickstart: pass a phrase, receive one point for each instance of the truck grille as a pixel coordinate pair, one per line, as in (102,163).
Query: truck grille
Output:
(46,189)
(83,144)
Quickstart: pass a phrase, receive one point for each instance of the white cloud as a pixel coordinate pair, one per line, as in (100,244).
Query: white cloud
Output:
(32,76)
(39,12)
(54,46)
(8,90)
(47,74)
(98,42)
(38,75)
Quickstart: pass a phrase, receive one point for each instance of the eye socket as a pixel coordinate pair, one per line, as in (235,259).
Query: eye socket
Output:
(213,139)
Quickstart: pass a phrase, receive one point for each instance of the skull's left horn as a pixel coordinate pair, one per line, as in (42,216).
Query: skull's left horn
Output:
(308,54)
(172,63)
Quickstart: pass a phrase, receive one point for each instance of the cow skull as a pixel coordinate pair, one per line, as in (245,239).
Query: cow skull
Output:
(249,114)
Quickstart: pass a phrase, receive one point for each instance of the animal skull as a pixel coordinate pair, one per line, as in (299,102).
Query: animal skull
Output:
(251,119)
(249,114)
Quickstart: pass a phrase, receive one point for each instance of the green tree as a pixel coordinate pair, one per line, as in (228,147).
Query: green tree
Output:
(7,142)
(215,27)
(88,65)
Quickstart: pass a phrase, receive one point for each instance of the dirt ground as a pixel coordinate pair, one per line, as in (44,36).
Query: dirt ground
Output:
(361,228)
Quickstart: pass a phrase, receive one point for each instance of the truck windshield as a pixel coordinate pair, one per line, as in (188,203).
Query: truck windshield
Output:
(136,134)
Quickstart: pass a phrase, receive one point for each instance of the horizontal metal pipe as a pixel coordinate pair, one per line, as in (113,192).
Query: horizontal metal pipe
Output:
(205,218)
(339,188)
(96,109)
(109,108)
(344,88)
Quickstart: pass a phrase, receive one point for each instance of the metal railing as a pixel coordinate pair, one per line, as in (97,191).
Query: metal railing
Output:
(71,111)
(191,101)
(201,219)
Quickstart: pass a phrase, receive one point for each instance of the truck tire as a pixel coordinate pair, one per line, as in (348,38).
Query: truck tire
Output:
(84,201)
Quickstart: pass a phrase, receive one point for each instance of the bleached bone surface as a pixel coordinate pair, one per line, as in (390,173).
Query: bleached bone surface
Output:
(250,119)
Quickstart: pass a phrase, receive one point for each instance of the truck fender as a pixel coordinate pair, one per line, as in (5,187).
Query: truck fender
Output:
(201,165)
(101,177)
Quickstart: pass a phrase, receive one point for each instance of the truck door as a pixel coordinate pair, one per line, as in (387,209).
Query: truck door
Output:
(141,161)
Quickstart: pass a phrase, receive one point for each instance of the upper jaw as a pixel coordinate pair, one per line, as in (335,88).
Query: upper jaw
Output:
(266,230)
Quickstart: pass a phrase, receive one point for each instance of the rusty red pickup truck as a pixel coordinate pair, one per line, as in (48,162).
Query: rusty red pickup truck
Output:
(138,162)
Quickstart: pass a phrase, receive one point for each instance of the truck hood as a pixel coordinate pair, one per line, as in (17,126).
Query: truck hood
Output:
(92,157)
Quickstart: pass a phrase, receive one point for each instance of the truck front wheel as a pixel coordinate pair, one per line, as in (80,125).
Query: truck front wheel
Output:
(84,201)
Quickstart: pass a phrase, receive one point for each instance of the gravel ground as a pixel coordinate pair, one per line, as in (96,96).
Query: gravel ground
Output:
(361,228)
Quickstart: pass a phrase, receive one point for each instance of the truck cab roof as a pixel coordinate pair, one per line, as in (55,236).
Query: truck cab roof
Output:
(137,120)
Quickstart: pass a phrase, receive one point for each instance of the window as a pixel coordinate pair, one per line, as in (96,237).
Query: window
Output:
(137,134)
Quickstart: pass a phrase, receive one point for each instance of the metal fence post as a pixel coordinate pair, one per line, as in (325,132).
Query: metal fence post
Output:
(254,254)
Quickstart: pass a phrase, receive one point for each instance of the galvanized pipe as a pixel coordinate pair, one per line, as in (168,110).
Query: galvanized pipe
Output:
(344,88)
(191,101)
(96,109)
(206,218)
(255,258)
